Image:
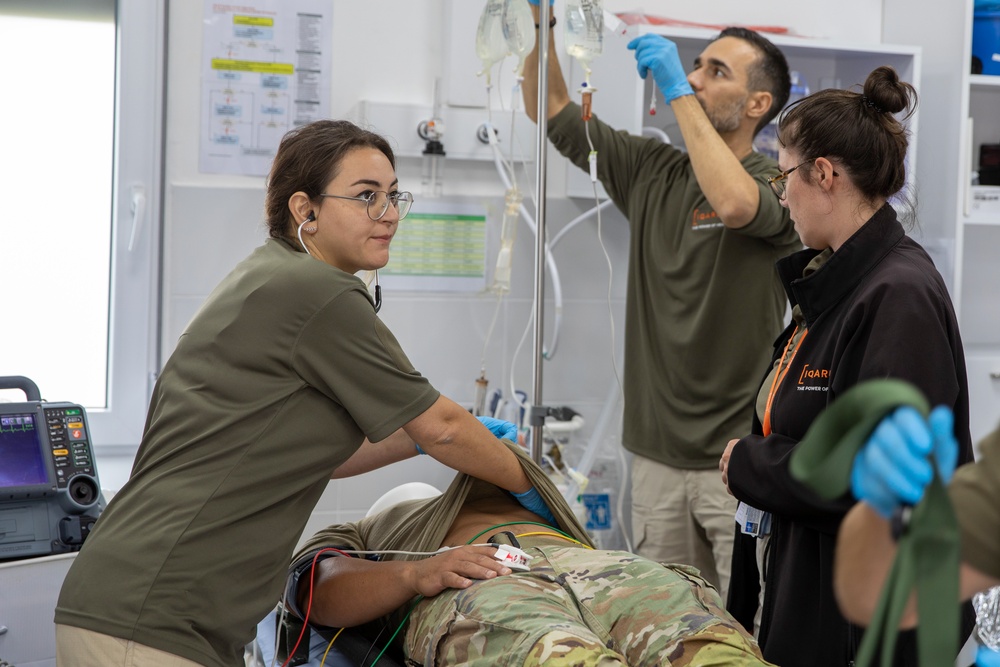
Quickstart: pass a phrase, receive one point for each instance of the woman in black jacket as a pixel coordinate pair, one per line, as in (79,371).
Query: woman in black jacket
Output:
(867,303)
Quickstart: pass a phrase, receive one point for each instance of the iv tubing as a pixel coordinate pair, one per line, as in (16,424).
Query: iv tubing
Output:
(597,438)
(577,220)
(600,430)
(646,131)
(551,262)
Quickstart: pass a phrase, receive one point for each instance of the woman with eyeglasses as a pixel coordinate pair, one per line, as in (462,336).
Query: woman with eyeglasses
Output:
(867,302)
(284,378)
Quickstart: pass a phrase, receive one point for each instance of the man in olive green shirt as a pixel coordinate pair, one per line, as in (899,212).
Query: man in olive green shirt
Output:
(703,305)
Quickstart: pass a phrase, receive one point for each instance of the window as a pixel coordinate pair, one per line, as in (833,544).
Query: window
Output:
(80,132)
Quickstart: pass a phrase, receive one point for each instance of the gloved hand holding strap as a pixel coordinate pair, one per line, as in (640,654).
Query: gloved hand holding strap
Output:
(928,548)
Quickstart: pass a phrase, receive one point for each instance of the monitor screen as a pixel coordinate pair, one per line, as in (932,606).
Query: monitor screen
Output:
(20,451)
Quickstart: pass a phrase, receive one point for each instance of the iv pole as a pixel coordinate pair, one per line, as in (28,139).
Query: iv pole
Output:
(537,412)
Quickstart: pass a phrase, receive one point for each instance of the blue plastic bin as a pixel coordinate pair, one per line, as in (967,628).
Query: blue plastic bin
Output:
(986,40)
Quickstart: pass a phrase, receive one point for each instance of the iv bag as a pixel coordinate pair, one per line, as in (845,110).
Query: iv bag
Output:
(584,33)
(518,31)
(491,46)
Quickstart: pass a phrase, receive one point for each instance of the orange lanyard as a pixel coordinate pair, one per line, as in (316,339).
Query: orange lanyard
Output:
(779,375)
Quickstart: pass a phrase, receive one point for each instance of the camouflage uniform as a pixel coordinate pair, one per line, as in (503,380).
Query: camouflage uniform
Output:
(580,607)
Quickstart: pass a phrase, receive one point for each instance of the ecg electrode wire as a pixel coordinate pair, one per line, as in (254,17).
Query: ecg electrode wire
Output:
(411,553)
(350,552)
(555,532)
(305,621)
(393,636)
(329,646)
(562,537)
(517,523)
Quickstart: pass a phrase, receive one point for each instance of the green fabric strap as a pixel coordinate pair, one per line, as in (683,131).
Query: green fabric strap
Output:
(928,549)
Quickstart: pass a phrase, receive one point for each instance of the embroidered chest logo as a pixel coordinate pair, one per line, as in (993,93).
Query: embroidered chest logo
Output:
(813,379)
(705,219)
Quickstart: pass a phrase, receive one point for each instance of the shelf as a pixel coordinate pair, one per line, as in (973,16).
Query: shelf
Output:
(984,205)
(984,81)
(789,44)
(622,99)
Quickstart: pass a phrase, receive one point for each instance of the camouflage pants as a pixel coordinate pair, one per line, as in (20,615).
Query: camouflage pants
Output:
(581,607)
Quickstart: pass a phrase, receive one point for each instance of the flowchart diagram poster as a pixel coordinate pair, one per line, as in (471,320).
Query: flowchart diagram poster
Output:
(266,69)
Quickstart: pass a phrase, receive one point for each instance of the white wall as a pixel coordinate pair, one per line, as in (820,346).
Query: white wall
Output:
(391,51)
(399,52)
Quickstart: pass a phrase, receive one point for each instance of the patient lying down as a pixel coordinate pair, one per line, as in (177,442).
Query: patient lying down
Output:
(574,605)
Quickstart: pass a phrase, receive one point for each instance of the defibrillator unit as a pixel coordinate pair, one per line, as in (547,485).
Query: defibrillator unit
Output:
(50,495)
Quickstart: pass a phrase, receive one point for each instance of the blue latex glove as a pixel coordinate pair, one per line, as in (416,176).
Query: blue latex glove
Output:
(500,428)
(893,467)
(942,423)
(658,55)
(532,501)
(987,657)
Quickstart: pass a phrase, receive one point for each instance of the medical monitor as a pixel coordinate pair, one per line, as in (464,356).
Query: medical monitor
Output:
(21,451)
(50,494)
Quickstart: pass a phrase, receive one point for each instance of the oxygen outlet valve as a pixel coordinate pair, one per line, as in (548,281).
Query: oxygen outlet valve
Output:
(431,179)
(432,131)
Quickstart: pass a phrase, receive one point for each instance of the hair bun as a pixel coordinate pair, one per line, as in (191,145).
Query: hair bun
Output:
(885,93)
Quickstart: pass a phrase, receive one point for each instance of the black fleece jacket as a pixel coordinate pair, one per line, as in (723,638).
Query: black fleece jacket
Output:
(877,308)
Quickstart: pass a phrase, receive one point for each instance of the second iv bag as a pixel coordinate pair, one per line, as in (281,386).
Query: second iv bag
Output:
(518,31)
(584,35)
(491,46)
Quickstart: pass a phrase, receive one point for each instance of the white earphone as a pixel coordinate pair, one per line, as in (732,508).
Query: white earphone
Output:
(309,218)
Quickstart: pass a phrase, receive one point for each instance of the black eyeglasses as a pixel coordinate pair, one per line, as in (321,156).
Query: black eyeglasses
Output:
(378,202)
(780,182)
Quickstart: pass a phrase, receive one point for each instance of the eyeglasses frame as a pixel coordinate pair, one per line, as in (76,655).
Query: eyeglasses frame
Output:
(776,182)
(389,196)
(781,179)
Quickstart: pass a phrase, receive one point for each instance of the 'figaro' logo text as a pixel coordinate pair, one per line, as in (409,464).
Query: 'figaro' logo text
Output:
(705,220)
(814,379)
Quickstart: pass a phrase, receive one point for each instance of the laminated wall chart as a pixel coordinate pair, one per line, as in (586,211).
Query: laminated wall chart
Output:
(266,69)
(439,247)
